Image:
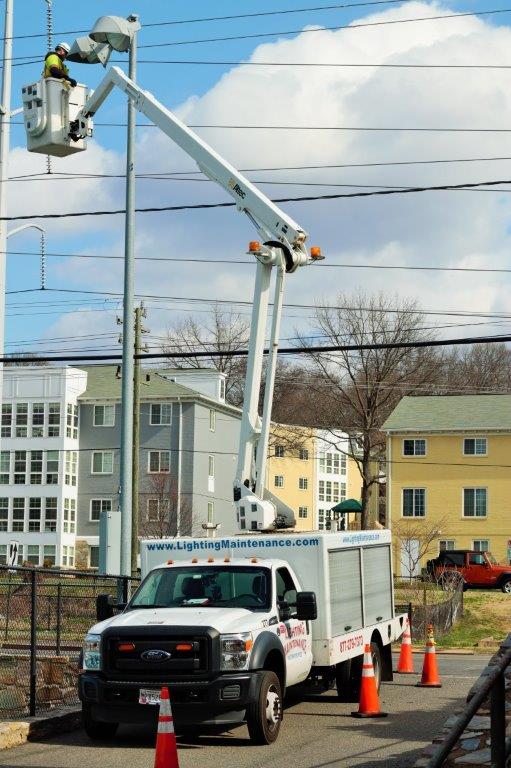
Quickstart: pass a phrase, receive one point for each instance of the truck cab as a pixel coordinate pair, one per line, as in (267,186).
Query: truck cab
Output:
(477,569)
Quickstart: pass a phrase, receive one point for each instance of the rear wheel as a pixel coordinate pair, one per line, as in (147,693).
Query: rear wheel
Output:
(349,673)
(265,715)
(506,586)
(96,730)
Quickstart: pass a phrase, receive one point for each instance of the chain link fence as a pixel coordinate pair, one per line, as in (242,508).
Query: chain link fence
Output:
(442,615)
(44,616)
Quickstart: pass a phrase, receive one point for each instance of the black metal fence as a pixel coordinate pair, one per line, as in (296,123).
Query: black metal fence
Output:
(441,615)
(44,616)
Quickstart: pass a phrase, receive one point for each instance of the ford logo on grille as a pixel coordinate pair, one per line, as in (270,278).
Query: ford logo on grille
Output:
(155,655)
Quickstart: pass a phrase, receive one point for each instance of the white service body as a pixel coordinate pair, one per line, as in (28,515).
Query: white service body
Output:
(49,106)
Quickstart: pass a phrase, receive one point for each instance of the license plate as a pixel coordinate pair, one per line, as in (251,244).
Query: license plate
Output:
(149,696)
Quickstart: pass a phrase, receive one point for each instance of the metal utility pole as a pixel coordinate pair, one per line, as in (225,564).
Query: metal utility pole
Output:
(5,117)
(125,491)
(140,312)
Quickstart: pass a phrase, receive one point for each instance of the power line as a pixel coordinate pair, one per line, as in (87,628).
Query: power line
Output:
(315,64)
(304,198)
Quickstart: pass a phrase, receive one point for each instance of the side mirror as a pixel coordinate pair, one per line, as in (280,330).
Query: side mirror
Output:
(285,612)
(306,607)
(106,605)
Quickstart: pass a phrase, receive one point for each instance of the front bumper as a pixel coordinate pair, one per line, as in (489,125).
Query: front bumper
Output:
(220,700)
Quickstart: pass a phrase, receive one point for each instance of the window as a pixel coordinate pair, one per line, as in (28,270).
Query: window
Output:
(159,461)
(33,554)
(153,510)
(3,554)
(279,481)
(481,545)
(4,514)
(71,463)
(5,467)
(21,419)
(446,544)
(104,415)
(414,502)
(212,420)
(75,422)
(324,519)
(36,467)
(102,462)
(69,516)
(303,512)
(304,454)
(50,515)
(54,420)
(97,507)
(211,474)
(49,555)
(20,467)
(414,447)
(38,420)
(279,451)
(18,515)
(93,557)
(303,483)
(286,589)
(68,556)
(474,502)
(34,515)
(6,420)
(69,420)
(331,462)
(329,491)
(52,468)
(475,446)
(160,413)
(211,511)
(222,389)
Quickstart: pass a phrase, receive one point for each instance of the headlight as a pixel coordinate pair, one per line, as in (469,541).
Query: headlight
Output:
(92,653)
(235,650)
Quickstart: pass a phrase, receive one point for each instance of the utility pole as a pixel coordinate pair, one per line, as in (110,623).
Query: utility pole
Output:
(5,118)
(140,312)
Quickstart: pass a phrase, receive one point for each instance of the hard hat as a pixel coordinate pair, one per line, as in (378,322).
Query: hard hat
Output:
(65,47)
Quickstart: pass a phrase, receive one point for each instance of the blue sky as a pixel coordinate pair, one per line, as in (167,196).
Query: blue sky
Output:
(468,229)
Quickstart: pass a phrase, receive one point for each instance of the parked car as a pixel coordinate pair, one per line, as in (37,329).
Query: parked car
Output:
(479,570)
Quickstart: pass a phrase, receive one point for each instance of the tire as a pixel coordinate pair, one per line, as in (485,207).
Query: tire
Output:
(264,717)
(506,586)
(349,673)
(96,730)
(377,664)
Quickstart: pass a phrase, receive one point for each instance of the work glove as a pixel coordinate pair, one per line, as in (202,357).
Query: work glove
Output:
(71,81)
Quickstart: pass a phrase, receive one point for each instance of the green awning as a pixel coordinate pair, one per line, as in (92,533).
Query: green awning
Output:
(350,505)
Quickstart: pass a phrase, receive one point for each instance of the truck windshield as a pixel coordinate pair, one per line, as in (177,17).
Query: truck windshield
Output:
(206,586)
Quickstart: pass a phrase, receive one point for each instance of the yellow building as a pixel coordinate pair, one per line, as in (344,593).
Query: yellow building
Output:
(290,472)
(449,476)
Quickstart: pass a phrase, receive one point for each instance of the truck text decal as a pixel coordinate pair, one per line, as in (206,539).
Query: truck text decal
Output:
(219,544)
(350,643)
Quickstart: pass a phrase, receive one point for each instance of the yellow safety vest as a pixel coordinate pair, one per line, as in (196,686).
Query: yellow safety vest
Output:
(52,60)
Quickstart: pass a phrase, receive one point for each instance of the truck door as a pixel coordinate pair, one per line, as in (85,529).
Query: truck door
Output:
(479,571)
(295,635)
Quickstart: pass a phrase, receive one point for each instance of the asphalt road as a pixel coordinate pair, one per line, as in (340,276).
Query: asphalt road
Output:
(316,733)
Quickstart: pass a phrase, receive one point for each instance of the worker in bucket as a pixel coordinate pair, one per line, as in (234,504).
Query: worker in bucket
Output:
(54,64)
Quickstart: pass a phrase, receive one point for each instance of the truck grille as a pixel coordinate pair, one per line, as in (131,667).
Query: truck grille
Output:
(153,657)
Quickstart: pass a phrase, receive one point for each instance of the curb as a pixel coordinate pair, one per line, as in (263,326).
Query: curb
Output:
(445,651)
(16,732)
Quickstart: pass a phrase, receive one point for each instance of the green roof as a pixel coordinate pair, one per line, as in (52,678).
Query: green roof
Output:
(451,413)
(103,384)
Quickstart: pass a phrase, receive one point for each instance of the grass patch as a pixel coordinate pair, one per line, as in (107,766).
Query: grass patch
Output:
(486,614)
(413,592)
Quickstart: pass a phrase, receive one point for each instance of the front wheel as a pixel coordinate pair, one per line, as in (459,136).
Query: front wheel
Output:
(264,717)
(506,586)
(96,730)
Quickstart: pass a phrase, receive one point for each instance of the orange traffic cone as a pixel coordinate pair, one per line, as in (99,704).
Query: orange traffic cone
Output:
(430,677)
(166,747)
(405,663)
(369,705)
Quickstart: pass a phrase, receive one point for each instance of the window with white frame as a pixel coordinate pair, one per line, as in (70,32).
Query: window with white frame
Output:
(5,467)
(3,554)
(474,502)
(211,511)
(49,555)
(329,491)
(21,419)
(75,422)
(97,507)
(38,420)
(34,514)
(279,481)
(446,544)
(20,467)
(414,502)
(330,462)
(324,519)
(475,446)
(18,515)
(4,514)
(93,557)
(104,415)
(71,467)
(102,462)
(212,420)
(72,421)
(68,556)
(69,525)
(54,420)
(303,512)
(303,483)
(6,429)
(52,467)
(159,461)
(36,467)
(153,510)
(222,389)
(481,545)
(50,514)
(304,454)
(414,447)
(33,554)
(160,414)
(279,451)
(211,474)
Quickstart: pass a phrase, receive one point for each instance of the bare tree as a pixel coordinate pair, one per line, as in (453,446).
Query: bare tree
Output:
(476,369)
(358,389)
(416,538)
(163,510)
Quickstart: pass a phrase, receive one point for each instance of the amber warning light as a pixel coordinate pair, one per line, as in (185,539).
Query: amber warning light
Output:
(316,254)
(254,246)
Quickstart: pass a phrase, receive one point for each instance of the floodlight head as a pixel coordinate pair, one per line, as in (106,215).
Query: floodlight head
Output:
(85,51)
(115,31)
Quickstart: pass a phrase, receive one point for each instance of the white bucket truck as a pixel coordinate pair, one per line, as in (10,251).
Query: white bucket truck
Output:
(230,624)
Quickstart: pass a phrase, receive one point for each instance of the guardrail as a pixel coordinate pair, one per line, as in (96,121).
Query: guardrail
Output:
(495,686)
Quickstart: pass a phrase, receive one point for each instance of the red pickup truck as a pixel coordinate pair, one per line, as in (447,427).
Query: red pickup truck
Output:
(478,570)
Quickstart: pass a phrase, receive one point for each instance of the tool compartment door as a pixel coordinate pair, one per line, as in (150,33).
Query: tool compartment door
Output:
(377,579)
